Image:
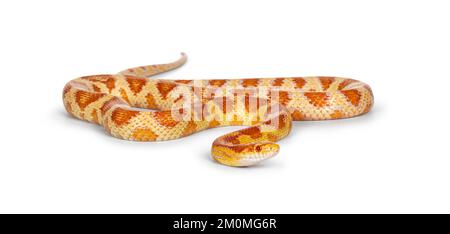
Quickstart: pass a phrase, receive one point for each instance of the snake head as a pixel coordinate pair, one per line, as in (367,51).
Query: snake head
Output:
(244,155)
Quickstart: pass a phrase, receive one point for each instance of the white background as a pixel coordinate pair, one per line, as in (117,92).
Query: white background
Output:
(392,160)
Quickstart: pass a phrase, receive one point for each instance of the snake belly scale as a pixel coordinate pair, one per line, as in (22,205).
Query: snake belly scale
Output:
(183,107)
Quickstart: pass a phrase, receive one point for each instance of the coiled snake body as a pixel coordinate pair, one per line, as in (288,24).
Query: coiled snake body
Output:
(184,107)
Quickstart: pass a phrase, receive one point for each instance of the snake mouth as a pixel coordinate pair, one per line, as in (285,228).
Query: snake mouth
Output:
(261,153)
(252,155)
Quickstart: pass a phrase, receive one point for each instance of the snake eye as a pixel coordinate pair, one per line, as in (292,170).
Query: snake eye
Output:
(258,148)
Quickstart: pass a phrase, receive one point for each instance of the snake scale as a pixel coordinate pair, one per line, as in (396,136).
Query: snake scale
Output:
(183,107)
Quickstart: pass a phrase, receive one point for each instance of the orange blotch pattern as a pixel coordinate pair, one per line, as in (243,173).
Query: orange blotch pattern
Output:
(250,82)
(299,82)
(144,135)
(84,98)
(232,139)
(336,114)
(122,116)
(107,80)
(214,123)
(252,132)
(326,82)
(135,84)
(165,87)
(217,83)
(278,82)
(190,128)
(317,99)
(352,96)
(165,118)
(284,98)
(297,115)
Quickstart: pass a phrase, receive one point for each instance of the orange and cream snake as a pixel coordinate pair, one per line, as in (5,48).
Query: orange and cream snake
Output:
(183,107)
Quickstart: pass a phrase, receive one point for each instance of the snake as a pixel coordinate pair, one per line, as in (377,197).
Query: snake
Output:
(132,106)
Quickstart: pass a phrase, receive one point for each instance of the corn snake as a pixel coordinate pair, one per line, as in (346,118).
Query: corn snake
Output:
(183,107)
